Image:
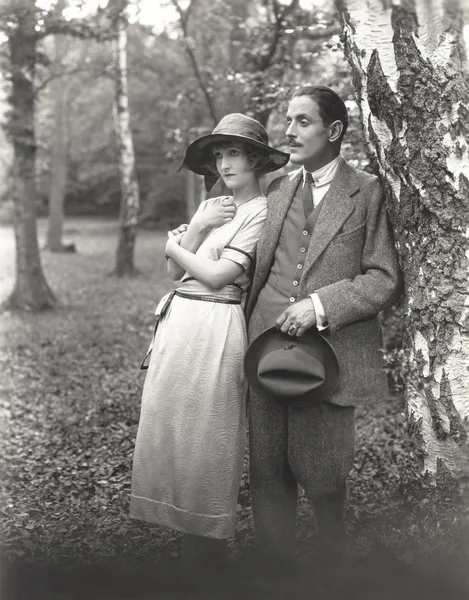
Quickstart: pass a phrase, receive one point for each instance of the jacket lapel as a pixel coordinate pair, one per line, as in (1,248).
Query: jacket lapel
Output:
(337,206)
(279,203)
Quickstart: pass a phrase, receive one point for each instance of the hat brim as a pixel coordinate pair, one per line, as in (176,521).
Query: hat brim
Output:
(195,158)
(272,339)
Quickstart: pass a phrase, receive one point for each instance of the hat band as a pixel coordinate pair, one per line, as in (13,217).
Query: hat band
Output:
(248,135)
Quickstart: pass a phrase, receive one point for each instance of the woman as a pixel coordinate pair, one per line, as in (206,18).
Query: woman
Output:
(190,444)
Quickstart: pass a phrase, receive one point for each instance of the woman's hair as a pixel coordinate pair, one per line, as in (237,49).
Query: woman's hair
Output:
(257,158)
(331,106)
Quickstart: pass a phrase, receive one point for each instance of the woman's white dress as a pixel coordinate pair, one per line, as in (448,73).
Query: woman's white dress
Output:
(190,443)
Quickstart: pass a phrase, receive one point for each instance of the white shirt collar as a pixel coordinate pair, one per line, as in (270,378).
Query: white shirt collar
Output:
(325,174)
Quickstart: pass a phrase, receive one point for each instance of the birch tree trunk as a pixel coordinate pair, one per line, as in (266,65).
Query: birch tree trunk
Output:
(6,149)
(59,157)
(31,291)
(130,196)
(411,82)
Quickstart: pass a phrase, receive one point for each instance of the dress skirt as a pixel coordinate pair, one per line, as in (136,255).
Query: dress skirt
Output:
(189,452)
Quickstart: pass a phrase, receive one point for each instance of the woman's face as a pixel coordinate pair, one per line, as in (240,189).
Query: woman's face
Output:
(233,165)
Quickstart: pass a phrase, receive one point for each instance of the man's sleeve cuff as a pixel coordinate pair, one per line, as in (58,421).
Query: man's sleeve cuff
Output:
(321,319)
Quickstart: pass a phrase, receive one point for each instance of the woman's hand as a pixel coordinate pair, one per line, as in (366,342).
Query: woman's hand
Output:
(214,214)
(181,229)
(173,241)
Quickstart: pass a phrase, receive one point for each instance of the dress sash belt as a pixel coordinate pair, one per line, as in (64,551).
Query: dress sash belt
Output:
(166,301)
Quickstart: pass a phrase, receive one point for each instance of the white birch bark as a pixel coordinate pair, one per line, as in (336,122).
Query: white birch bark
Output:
(130,196)
(59,159)
(411,81)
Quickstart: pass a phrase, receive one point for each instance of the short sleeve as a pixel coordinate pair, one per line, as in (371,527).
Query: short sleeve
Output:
(242,246)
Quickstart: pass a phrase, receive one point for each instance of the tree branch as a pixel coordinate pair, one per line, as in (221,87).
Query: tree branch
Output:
(100,26)
(290,7)
(319,35)
(279,17)
(74,71)
(184,15)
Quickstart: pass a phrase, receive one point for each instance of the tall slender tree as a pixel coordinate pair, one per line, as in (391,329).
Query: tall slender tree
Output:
(59,160)
(411,81)
(130,197)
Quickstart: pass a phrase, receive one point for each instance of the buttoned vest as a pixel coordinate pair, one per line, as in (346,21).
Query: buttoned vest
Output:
(281,287)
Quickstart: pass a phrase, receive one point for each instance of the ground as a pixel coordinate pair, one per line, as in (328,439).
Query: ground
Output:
(69,407)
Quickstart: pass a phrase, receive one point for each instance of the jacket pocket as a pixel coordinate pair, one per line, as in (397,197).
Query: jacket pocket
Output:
(356,232)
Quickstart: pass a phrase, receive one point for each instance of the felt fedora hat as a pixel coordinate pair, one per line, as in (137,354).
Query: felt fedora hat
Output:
(234,127)
(292,371)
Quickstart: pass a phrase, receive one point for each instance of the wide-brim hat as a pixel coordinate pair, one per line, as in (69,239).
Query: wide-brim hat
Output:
(293,371)
(234,127)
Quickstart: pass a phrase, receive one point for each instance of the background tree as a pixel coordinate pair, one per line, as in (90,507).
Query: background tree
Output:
(24,25)
(60,85)
(184,15)
(243,56)
(411,81)
(169,108)
(31,290)
(130,195)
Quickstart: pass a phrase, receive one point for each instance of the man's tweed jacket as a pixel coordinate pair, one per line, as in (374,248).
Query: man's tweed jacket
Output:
(351,264)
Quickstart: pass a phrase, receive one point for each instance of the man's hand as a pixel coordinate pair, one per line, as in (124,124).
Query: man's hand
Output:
(214,214)
(296,319)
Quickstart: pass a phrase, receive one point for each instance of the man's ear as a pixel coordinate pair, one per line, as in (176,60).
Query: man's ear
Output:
(335,131)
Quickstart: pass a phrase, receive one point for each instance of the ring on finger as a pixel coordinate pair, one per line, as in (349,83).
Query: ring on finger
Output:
(292,329)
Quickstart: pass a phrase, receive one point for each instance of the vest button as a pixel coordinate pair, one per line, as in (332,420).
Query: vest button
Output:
(295,283)
(302,249)
(305,232)
(299,266)
(292,299)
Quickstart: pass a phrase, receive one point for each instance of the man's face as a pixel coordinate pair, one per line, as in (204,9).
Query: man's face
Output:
(306,133)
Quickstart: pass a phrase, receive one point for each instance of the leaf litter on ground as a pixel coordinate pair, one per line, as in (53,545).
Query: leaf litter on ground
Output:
(69,409)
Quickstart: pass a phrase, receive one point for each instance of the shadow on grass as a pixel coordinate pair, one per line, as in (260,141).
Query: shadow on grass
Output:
(378,577)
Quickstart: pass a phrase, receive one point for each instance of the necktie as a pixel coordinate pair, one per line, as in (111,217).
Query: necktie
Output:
(308,204)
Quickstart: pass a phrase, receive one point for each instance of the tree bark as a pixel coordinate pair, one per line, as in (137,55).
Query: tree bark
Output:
(59,157)
(410,77)
(130,196)
(31,291)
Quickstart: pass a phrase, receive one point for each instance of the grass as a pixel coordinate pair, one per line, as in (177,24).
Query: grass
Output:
(69,407)
(70,401)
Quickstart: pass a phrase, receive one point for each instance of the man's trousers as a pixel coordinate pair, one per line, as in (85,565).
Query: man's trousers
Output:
(311,446)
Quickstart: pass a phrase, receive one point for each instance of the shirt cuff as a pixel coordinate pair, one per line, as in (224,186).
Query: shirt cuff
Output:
(321,319)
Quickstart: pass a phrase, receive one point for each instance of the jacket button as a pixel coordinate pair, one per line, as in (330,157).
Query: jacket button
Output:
(305,232)
(299,267)
(292,299)
(295,283)
(302,249)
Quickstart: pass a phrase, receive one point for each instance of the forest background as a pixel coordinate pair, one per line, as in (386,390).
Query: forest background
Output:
(245,62)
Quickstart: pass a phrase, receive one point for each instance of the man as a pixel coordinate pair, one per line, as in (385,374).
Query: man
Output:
(326,259)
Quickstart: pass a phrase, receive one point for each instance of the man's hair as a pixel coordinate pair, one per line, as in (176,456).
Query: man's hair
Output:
(331,106)
(256,157)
